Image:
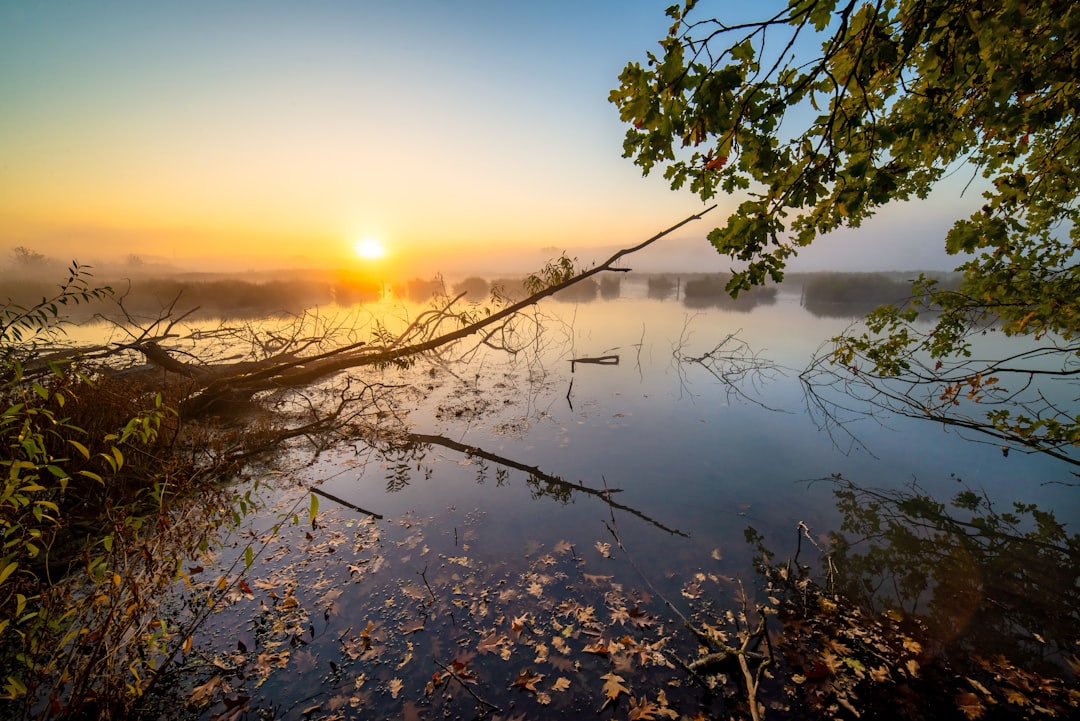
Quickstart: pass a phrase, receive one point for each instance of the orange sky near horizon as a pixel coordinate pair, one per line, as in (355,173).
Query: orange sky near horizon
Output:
(282,135)
(236,137)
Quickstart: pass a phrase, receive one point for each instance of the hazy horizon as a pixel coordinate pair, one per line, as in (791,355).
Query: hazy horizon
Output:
(208,136)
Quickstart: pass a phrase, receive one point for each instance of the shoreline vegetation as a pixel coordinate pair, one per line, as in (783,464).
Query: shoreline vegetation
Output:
(229,296)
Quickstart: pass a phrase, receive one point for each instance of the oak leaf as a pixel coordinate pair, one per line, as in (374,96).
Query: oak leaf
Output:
(613,688)
(970,705)
(561,684)
(527,680)
(642,708)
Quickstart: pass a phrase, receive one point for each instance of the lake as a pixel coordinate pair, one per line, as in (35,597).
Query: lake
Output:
(547,522)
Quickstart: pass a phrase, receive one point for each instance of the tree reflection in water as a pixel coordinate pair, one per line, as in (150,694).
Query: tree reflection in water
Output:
(986,581)
(932,609)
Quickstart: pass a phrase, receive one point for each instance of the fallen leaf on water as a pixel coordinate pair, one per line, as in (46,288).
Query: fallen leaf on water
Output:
(563,547)
(970,705)
(202,693)
(599,647)
(396,685)
(412,627)
(561,684)
(642,708)
(491,642)
(613,688)
(527,680)
(604,548)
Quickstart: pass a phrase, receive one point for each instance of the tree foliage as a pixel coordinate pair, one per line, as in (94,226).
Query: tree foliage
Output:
(825,111)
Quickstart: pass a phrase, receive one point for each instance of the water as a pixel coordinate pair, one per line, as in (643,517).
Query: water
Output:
(463,542)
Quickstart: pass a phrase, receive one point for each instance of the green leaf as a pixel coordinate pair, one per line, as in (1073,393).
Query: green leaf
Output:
(7,570)
(313,510)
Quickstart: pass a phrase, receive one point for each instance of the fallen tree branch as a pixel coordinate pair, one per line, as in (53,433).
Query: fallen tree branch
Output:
(234,383)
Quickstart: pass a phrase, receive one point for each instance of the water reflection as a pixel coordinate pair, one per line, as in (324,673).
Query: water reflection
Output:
(541,484)
(985,581)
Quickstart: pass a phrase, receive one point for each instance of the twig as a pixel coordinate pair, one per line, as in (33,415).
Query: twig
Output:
(465,686)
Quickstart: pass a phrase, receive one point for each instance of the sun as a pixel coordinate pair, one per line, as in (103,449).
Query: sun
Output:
(369,248)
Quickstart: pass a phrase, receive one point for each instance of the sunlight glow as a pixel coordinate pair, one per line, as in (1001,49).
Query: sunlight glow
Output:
(369,249)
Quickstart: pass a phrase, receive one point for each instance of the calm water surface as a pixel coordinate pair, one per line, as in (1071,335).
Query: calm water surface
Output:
(463,537)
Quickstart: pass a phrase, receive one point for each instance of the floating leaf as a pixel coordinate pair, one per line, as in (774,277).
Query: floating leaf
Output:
(613,688)
(527,680)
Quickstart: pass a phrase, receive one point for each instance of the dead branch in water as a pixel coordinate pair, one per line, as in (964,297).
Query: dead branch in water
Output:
(229,383)
(537,476)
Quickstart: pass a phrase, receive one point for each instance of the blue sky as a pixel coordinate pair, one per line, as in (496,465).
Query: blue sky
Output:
(271,132)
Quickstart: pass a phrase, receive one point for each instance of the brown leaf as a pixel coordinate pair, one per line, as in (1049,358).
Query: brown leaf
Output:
(527,680)
(563,547)
(396,685)
(202,693)
(595,579)
(413,627)
(879,674)
(491,642)
(599,647)
(642,708)
(665,711)
(831,662)
(561,684)
(613,688)
(970,705)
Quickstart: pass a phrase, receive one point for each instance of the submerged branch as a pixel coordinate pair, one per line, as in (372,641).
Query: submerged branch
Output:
(534,472)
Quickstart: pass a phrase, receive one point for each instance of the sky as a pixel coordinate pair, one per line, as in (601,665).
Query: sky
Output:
(246,135)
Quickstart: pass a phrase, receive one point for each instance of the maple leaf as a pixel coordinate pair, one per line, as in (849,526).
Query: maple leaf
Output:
(613,688)
(527,680)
